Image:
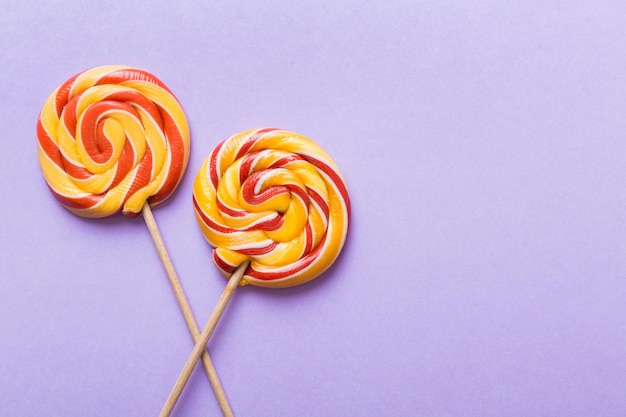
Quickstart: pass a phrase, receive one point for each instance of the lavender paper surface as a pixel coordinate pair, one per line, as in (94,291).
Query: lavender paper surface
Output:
(484,148)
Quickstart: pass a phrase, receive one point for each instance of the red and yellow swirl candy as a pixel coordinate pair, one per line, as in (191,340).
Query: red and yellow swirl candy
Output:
(274,198)
(110,139)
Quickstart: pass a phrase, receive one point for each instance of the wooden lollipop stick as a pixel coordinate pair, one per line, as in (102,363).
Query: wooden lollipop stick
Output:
(186,310)
(200,346)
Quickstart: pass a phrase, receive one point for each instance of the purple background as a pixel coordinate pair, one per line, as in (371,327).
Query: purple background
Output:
(484,147)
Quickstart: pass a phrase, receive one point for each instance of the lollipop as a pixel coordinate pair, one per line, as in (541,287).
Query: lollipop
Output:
(115,139)
(276,209)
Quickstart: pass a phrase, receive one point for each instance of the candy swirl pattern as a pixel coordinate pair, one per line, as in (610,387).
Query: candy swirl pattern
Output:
(111,139)
(274,198)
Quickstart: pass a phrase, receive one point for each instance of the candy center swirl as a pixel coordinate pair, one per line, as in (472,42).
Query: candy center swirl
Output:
(274,198)
(110,139)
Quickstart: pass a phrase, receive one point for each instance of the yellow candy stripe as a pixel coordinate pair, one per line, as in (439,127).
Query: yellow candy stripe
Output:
(276,199)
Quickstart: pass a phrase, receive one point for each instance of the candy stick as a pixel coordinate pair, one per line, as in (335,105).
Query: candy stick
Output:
(186,310)
(115,139)
(273,199)
(203,339)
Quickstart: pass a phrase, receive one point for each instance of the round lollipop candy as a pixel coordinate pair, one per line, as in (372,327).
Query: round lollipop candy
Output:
(115,139)
(276,209)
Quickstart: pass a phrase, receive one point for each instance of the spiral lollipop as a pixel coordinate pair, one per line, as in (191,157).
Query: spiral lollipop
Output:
(110,139)
(115,139)
(276,209)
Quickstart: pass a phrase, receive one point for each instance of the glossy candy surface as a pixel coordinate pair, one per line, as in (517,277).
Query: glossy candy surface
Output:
(277,199)
(110,139)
